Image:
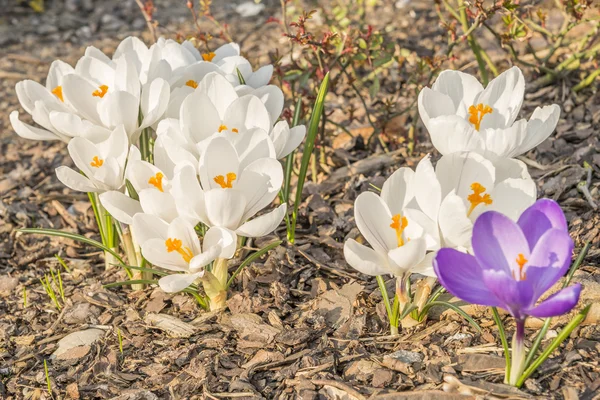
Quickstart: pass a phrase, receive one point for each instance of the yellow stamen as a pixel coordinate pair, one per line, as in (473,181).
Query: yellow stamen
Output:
(477,112)
(398,224)
(476,197)
(57,91)
(97,162)
(222,128)
(176,245)
(156,181)
(234,130)
(521,261)
(102,89)
(225,183)
(208,56)
(192,83)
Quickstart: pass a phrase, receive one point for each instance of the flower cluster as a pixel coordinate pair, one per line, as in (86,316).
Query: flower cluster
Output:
(171,142)
(473,220)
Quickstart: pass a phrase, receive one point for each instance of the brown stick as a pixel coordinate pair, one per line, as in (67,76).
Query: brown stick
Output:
(148,19)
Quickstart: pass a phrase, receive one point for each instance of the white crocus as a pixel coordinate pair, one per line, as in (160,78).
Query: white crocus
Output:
(176,247)
(233,65)
(461,115)
(40,102)
(463,185)
(286,139)
(399,236)
(227,195)
(102,165)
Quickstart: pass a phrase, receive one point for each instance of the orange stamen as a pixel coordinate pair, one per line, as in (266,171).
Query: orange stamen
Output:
(156,181)
(476,197)
(222,128)
(521,261)
(192,83)
(102,89)
(398,224)
(234,130)
(57,91)
(97,162)
(477,112)
(176,245)
(225,183)
(208,56)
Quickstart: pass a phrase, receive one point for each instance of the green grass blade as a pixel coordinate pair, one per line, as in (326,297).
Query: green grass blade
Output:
(73,236)
(240,76)
(386,297)
(251,258)
(555,343)
(311,136)
(503,339)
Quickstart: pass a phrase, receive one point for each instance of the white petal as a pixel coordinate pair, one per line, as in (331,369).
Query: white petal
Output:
(58,69)
(120,206)
(455,226)
(505,95)
(425,267)
(224,239)
(264,224)
(504,142)
(434,104)
(147,226)
(404,258)
(247,112)
(177,282)
(260,182)
(188,195)
(158,203)
(224,207)
(513,196)
(272,98)
(78,93)
(261,77)
(458,171)
(219,159)
(541,125)
(373,219)
(450,134)
(120,108)
(364,259)
(154,101)
(428,191)
(75,180)
(459,86)
(199,117)
(156,252)
(398,190)
(296,136)
(220,92)
(30,132)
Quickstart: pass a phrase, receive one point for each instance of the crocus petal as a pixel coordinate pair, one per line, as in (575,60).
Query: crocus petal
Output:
(455,226)
(198,117)
(504,94)
(120,206)
(219,90)
(425,267)
(404,258)
(224,207)
(459,86)
(178,282)
(511,198)
(119,108)
(247,112)
(498,242)
(272,97)
(222,238)
(543,215)
(428,191)
(75,180)
(158,203)
(181,229)
(373,219)
(155,251)
(461,275)
(434,104)
(549,260)
(451,133)
(397,191)
(458,171)
(263,225)
(148,226)
(219,159)
(189,196)
(260,182)
(154,101)
(260,77)
(558,304)
(27,131)
(364,259)
(541,125)
(504,142)
(58,69)
(77,92)
(514,296)
(296,136)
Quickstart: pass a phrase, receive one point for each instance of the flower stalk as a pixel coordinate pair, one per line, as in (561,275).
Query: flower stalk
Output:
(518,353)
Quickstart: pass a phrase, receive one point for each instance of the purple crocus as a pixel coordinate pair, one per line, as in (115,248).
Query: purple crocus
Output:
(513,265)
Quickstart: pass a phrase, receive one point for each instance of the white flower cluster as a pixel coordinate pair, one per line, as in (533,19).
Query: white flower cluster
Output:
(214,159)
(420,211)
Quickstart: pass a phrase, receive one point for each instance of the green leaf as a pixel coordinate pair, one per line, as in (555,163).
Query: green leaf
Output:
(240,76)
(131,190)
(374,89)
(362,43)
(251,258)
(457,309)
(73,236)
(503,339)
(311,136)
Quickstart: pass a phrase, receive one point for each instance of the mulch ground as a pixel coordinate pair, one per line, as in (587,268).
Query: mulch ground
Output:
(300,323)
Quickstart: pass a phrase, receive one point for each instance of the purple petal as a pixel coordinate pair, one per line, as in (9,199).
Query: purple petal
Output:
(545,214)
(514,296)
(460,274)
(549,260)
(559,303)
(498,241)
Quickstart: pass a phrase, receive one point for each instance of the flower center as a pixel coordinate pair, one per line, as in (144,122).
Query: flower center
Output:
(57,91)
(102,89)
(224,128)
(208,56)
(476,113)
(226,183)
(174,244)
(521,261)
(156,181)
(192,83)
(97,162)
(476,197)
(398,224)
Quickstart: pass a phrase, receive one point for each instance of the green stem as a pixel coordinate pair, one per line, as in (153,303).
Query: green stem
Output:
(472,42)
(388,306)
(502,334)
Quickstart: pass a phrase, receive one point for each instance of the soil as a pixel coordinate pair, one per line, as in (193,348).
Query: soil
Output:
(300,323)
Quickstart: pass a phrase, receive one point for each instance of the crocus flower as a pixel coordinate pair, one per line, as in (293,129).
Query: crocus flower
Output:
(464,185)
(102,164)
(461,115)
(513,265)
(176,247)
(228,196)
(286,139)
